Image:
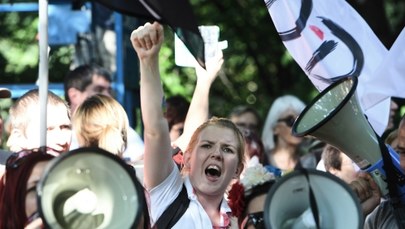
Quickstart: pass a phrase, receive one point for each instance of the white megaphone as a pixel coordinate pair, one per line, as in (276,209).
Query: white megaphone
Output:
(89,188)
(335,117)
(310,199)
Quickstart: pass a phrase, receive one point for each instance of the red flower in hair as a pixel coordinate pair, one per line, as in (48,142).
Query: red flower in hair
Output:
(236,199)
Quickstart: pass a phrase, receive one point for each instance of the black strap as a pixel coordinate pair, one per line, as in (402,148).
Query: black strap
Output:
(312,200)
(392,176)
(390,172)
(174,211)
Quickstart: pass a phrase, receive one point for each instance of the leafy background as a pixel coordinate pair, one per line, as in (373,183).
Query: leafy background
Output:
(257,67)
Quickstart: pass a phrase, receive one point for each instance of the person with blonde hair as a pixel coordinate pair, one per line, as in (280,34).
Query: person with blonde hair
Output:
(87,80)
(213,158)
(100,121)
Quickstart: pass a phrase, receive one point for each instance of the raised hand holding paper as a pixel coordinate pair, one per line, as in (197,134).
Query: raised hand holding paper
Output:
(210,34)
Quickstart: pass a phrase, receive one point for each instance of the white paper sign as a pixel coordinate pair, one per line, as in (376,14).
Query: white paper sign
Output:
(210,35)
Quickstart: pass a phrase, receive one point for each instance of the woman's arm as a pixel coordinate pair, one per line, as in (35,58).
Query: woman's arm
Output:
(147,41)
(199,107)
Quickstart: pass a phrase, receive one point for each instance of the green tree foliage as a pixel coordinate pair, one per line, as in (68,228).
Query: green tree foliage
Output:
(18,48)
(257,67)
(19,51)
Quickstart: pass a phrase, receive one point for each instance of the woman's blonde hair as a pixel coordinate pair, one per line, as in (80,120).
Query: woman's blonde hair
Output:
(219,122)
(100,121)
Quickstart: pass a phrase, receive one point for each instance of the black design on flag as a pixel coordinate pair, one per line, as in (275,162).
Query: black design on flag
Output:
(330,40)
(328,47)
(300,23)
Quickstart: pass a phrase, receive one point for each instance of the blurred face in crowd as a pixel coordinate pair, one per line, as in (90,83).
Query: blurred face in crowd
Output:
(99,85)
(246,121)
(176,130)
(348,169)
(283,128)
(31,194)
(254,210)
(58,133)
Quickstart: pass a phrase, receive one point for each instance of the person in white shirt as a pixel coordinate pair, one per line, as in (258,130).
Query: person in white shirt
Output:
(213,157)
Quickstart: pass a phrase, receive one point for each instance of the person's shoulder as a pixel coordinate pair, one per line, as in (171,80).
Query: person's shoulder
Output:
(385,205)
(381,217)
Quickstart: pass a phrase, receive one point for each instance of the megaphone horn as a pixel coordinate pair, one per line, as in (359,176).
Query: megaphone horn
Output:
(289,203)
(89,188)
(336,117)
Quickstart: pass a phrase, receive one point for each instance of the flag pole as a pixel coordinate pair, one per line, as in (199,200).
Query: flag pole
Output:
(43,69)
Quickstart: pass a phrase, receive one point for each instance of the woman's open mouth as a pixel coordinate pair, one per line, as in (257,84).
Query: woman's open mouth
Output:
(213,171)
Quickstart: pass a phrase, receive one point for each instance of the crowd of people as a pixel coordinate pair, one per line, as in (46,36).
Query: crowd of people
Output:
(198,171)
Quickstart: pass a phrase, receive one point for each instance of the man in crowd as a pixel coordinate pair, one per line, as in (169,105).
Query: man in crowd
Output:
(87,80)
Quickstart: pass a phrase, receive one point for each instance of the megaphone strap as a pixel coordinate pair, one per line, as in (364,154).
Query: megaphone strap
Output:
(389,170)
(312,200)
(399,213)
(392,176)
(174,211)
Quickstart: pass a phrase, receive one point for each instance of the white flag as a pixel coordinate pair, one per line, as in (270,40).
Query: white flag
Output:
(330,40)
(390,77)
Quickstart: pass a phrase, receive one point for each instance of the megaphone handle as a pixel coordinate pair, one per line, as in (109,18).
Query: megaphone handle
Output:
(388,175)
(394,176)
(379,177)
